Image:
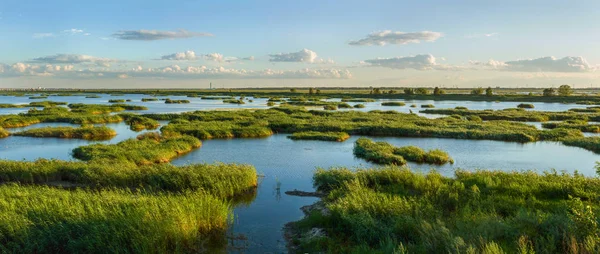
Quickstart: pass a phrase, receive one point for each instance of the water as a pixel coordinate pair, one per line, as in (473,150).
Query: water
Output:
(197,103)
(292,163)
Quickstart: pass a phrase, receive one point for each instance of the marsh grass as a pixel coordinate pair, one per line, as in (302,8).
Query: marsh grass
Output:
(344,105)
(324,136)
(46,103)
(330,107)
(4,133)
(393,103)
(141,151)
(427,106)
(109,221)
(138,123)
(116,101)
(385,153)
(84,132)
(517,114)
(149,99)
(359,106)
(397,210)
(93,96)
(525,105)
(169,101)
(219,129)
(38,97)
(357,100)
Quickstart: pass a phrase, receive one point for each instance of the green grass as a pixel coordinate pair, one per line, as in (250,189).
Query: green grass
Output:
(218,129)
(38,97)
(518,114)
(344,105)
(324,136)
(270,104)
(330,107)
(393,103)
(427,106)
(116,101)
(149,99)
(145,150)
(102,109)
(169,101)
(574,124)
(525,105)
(397,210)
(46,103)
(359,106)
(357,100)
(385,153)
(138,123)
(49,220)
(84,132)
(588,143)
(93,96)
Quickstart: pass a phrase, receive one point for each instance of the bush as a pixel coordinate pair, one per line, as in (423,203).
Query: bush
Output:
(525,105)
(325,136)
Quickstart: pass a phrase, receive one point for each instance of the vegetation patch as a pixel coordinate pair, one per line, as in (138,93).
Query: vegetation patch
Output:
(169,101)
(116,101)
(84,132)
(395,210)
(427,106)
(393,103)
(149,99)
(525,105)
(357,100)
(234,101)
(147,149)
(138,123)
(385,153)
(324,136)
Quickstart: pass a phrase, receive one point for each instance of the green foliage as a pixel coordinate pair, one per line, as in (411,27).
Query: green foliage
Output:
(409,91)
(138,123)
(422,91)
(330,107)
(564,90)
(315,135)
(84,132)
(169,101)
(344,105)
(4,133)
(393,103)
(149,99)
(437,91)
(359,106)
(518,115)
(385,153)
(548,92)
(489,92)
(116,101)
(219,129)
(234,101)
(473,212)
(357,100)
(427,106)
(525,105)
(142,151)
(477,91)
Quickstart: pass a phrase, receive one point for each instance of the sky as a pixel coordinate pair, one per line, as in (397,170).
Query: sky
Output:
(192,44)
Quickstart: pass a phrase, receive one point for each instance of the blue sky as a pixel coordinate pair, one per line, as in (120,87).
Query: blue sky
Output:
(300,43)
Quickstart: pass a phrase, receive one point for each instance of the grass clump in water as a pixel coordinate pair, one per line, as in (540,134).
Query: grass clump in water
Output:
(138,123)
(93,96)
(234,101)
(144,150)
(116,101)
(38,97)
(169,101)
(344,105)
(4,133)
(330,107)
(324,136)
(357,100)
(393,103)
(359,106)
(427,106)
(149,99)
(46,103)
(525,105)
(84,132)
(385,153)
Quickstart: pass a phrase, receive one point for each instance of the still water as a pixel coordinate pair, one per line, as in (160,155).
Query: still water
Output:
(291,164)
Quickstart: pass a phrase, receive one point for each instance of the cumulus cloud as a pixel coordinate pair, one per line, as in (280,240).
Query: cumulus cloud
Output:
(187,55)
(74,59)
(151,35)
(250,58)
(389,37)
(542,64)
(26,69)
(302,56)
(42,35)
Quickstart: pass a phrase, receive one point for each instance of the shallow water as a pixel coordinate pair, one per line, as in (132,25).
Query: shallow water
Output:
(291,164)
(196,103)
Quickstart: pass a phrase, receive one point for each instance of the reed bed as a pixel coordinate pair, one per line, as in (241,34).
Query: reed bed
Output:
(84,132)
(385,153)
(393,103)
(525,105)
(357,100)
(395,210)
(324,136)
(143,151)
(149,99)
(138,123)
(169,101)
(116,101)
(234,101)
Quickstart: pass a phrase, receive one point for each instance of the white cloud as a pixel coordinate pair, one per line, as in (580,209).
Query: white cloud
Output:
(470,36)
(214,57)
(250,58)
(74,59)
(302,56)
(187,55)
(151,35)
(418,62)
(73,31)
(389,37)
(305,55)
(43,35)
(542,64)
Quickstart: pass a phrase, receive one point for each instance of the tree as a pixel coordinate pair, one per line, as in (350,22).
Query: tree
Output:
(549,92)
(422,91)
(392,92)
(477,91)
(293,90)
(376,91)
(564,90)
(489,91)
(311,91)
(438,91)
(318,91)
(409,91)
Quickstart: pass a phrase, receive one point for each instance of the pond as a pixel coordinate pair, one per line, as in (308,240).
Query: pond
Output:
(290,165)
